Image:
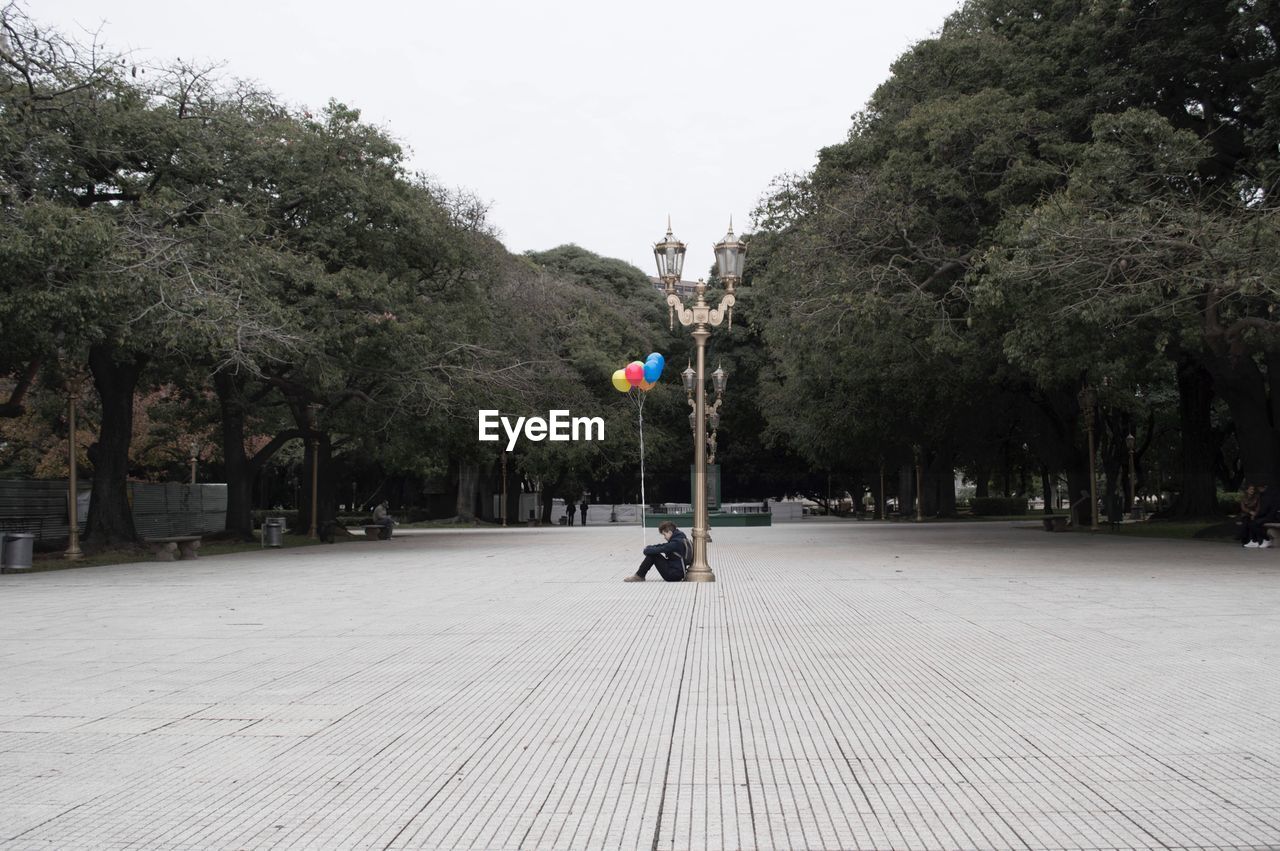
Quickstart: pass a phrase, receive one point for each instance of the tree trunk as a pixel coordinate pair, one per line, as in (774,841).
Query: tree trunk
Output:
(116,379)
(907,490)
(239,516)
(468,481)
(513,495)
(328,491)
(940,485)
(547,497)
(1112,479)
(1046,484)
(492,475)
(1239,382)
(1078,495)
(982,482)
(1199,447)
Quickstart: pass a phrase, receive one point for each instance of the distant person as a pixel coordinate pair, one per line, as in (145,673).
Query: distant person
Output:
(568,512)
(1268,512)
(382,518)
(582,507)
(672,557)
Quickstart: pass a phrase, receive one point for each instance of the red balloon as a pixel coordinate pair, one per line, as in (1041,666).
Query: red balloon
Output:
(635,373)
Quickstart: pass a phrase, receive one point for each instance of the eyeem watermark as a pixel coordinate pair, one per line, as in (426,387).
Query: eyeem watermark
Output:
(558,426)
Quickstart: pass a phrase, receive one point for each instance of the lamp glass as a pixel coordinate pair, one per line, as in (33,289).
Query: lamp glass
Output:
(730,254)
(719,379)
(670,257)
(689,377)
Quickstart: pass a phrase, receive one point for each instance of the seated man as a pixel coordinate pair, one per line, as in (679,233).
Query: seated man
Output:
(1268,512)
(383,519)
(672,558)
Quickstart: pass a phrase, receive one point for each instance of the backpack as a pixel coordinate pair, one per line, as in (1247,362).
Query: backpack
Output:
(688,553)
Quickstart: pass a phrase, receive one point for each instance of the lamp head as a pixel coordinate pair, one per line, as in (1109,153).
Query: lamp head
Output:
(731,254)
(670,257)
(690,378)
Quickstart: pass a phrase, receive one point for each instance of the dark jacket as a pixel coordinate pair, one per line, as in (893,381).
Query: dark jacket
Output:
(679,546)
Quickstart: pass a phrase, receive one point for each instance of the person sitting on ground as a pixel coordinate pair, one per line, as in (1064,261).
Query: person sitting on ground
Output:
(671,557)
(1248,508)
(383,519)
(1268,512)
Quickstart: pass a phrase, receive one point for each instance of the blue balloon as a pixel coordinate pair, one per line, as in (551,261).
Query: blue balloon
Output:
(652,370)
(654,356)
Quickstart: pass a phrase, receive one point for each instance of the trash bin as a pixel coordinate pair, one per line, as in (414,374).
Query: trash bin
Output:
(17,550)
(273,532)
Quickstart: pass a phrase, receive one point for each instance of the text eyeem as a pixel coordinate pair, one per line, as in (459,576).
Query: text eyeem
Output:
(558,426)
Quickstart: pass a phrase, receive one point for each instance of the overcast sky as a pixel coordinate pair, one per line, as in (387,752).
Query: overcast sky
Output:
(578,121)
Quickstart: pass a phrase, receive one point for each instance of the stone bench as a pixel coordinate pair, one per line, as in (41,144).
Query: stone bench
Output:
(378,531)
(1056,523)
(181,547)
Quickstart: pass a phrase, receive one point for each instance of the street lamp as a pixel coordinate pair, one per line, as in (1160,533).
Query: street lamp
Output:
(701,317)
(195,456)
(719,379)
(1088,400)
(1132,442)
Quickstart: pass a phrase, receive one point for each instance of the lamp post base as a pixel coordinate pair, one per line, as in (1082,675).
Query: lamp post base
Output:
(702,574)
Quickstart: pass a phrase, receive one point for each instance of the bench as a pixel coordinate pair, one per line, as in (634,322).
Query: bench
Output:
(1273,532)
(184,546)
(1055,523)
(378,531)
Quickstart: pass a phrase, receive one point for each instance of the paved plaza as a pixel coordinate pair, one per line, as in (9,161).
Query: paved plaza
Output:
(843,685)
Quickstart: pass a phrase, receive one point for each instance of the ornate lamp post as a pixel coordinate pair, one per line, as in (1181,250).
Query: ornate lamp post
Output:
(1132,443)
(719,379)
(1088,400)
(195,456)
(701,317)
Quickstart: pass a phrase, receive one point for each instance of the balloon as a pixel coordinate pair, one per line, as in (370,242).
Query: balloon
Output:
(635,373)
(652,371)
(620,382)
(648,385)
(662,362)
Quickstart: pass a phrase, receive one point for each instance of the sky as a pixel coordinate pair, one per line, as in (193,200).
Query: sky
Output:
(578,121)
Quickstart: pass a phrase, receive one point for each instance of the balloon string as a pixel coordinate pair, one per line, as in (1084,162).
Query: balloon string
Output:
(643,503)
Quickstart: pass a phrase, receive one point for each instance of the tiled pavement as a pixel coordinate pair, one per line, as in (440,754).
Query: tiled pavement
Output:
(841,686)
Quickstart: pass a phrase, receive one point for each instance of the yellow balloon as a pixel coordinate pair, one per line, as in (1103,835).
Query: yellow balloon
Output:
(646,385)
(620,382)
